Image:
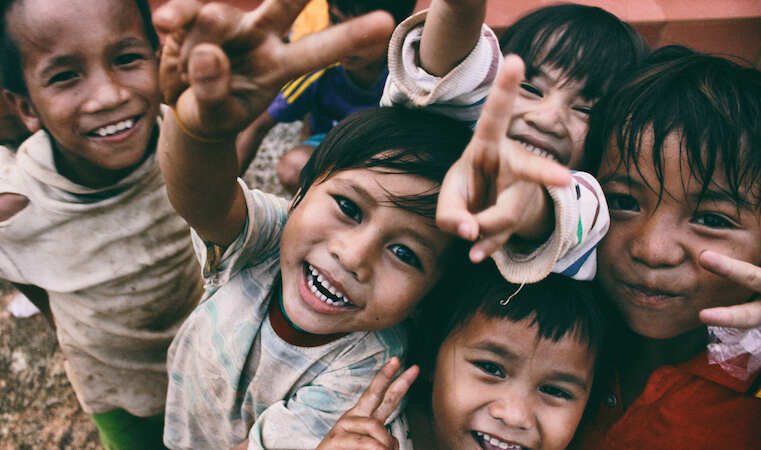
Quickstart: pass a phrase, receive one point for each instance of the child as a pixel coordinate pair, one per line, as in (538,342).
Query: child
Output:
(680,171)
(325,96)
(573,55)
(515,367)
(83,210)
(302,305)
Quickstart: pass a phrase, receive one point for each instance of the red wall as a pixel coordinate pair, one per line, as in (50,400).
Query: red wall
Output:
(716,26)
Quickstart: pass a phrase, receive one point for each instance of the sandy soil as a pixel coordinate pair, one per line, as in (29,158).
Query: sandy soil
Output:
(38,409)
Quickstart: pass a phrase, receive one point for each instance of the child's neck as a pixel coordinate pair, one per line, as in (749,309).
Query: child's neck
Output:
(288,331)
(645,355)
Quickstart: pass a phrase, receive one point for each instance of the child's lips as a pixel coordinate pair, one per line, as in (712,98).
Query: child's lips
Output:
(115,129)
(648,296)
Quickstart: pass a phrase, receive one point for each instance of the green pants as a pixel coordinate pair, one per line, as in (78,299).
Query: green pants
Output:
(120,430)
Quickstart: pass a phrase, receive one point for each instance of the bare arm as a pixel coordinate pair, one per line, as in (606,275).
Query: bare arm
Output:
(214,94)
(451,30)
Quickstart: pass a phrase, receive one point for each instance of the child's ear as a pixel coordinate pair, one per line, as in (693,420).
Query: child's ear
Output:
(24,109)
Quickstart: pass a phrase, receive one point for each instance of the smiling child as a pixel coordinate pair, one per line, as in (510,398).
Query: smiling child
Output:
(84,215)
(302,302)
(504,366)
(680,169)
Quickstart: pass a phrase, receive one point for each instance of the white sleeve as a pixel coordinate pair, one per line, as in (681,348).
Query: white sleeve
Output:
(459,94)
(581,221)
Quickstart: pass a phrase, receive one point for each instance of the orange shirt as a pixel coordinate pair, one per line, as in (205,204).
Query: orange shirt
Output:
(692,405)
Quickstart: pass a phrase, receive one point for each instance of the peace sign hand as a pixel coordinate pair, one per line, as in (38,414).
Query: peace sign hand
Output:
(497,187)
(362,427)
(221,67)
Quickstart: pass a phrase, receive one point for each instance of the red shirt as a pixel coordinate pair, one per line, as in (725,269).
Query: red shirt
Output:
(692,405)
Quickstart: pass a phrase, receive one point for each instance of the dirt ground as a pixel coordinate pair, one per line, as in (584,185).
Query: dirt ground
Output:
(38,409)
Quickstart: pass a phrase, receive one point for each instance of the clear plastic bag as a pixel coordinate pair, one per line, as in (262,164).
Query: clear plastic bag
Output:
(736,350)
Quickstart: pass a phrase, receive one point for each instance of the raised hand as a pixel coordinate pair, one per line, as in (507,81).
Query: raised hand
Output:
(362,426)
(221,67)
(496,189)
(745,315)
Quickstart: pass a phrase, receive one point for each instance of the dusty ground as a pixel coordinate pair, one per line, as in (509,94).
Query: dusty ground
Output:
(38,409)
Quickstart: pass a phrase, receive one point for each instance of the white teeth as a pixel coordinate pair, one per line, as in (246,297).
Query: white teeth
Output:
(538,151)
(317,277)
(496,442)
(115,128)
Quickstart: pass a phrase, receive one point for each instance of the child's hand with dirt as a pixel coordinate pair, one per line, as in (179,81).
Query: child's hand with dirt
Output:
(221,66)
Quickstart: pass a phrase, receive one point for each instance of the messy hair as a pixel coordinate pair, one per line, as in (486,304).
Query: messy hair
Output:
(712,103)
(399,9)
(586,43)
(394,140)
(11,72)
(558,306)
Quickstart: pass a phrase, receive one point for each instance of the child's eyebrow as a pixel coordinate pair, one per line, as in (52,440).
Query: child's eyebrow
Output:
(498,349)
(719,196)
(55,62)
(566,377)
(617,178)
(131,42)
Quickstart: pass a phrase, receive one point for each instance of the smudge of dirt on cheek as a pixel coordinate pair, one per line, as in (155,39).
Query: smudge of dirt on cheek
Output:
(38,408)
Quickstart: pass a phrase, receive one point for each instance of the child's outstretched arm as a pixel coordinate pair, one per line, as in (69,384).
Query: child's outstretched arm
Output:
(746,315)
(495,190)
(362,427)
(530,213)
(451,30)
(214,93)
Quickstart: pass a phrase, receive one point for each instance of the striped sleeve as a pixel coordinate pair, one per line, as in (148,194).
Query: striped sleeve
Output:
(581,221)
(460,94)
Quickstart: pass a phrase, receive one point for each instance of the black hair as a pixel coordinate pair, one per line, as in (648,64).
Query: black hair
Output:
(11,71)
(558,306)
(711,102)
(585,43)
(400,9)
(392,139)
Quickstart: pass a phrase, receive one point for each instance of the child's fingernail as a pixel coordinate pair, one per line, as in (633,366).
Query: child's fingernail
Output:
(476,255)
(205,65)
(465,230)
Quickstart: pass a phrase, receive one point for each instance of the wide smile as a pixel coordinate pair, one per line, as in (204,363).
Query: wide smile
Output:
(489,442)
(323,290)
(116,130)
(544,151)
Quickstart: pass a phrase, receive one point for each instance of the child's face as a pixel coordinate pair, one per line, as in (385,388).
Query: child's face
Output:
(351,260)
(498,385)
(92,79)
(649,258)
(550,113)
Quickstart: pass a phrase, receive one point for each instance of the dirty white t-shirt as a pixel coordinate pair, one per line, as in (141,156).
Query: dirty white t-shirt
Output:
(119,269)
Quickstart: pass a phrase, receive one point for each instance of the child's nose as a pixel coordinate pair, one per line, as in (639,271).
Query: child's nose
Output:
(355,250)
(656,243)
(105,93)
(513,408)
(548,115)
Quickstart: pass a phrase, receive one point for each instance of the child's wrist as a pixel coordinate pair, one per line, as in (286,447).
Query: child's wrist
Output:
(198,136)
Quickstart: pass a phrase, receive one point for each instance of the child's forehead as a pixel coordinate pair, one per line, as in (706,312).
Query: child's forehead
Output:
(668,171)
(41,28)
(520,340)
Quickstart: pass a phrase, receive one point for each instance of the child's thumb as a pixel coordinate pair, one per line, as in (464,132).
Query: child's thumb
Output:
(209,73)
